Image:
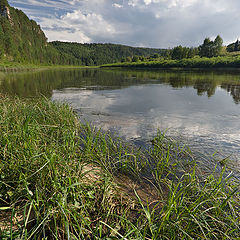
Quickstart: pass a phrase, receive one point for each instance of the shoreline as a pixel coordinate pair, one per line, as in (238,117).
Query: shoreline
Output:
(59,172)
(187,63)
(16,67)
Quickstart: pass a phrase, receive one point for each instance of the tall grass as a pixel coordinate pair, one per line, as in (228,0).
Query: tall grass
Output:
(60,179)
(2,75)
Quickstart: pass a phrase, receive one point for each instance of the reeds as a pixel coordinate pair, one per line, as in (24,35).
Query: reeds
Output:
(60,179)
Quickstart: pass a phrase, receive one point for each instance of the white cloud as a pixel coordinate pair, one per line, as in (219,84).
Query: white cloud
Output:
(147,2)
(164,3)
(89,23)
(133,3)
(110,110)
(153,23)
(116,5)
(67,36)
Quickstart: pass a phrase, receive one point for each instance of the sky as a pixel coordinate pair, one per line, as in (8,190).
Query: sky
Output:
(141,23)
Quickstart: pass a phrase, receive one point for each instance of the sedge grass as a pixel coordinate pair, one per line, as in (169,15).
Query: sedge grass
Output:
(59,180)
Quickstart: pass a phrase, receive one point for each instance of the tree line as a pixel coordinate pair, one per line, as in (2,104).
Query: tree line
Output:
(90,54)
(209,48)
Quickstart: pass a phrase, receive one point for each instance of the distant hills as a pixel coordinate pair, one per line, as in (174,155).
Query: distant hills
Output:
(98,53)
(22,40)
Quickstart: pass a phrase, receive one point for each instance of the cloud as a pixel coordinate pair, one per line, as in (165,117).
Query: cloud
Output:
(162,3)
(77,26)
(67,35)
(116,5)
(136,112)
(150,23)
(90,23)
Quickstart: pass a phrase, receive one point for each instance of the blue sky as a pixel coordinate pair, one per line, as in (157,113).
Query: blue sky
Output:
(147,23)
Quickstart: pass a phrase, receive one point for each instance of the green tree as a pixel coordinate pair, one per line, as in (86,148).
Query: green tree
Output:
(231,47)
(142,58)
(211,48)
(167,54)
(204,49)
(128,59)
(218,45)
(192,52)
(180,52)
(135,58)
(155,55)
(177,52)
(236,46)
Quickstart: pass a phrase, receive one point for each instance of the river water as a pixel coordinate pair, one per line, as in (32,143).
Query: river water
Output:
(202,108)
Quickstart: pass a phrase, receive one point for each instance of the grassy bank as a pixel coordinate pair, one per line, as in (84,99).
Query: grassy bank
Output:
(60,179)
(197,62)
(8,66)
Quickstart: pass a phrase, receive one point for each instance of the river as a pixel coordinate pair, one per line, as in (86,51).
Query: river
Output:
(199,107)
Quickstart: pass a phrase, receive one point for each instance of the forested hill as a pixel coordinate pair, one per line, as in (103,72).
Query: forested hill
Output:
(22,40)
(97,53)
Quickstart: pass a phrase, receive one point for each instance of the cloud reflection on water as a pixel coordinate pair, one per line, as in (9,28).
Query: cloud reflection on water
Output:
(137,112)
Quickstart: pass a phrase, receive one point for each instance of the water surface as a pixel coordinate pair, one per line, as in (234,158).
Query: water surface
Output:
(200,107)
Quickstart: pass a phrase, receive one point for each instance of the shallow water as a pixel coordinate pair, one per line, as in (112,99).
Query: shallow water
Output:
(200,107)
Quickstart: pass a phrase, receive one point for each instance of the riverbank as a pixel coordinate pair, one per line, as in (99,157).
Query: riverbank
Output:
(64,180)
(190,63)
(7,66)
(196,62)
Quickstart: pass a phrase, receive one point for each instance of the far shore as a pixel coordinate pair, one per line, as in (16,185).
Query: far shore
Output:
(14,67)
(186,63)
(226,62)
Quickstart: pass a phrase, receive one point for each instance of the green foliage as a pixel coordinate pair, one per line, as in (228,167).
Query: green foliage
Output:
(57,175)
(23,41)
(180,52)
(50,175)
(234,47)
(211,48)
(155,55)
(3,3)
(135,59)
(195,62)
(21,38)
(98,54)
